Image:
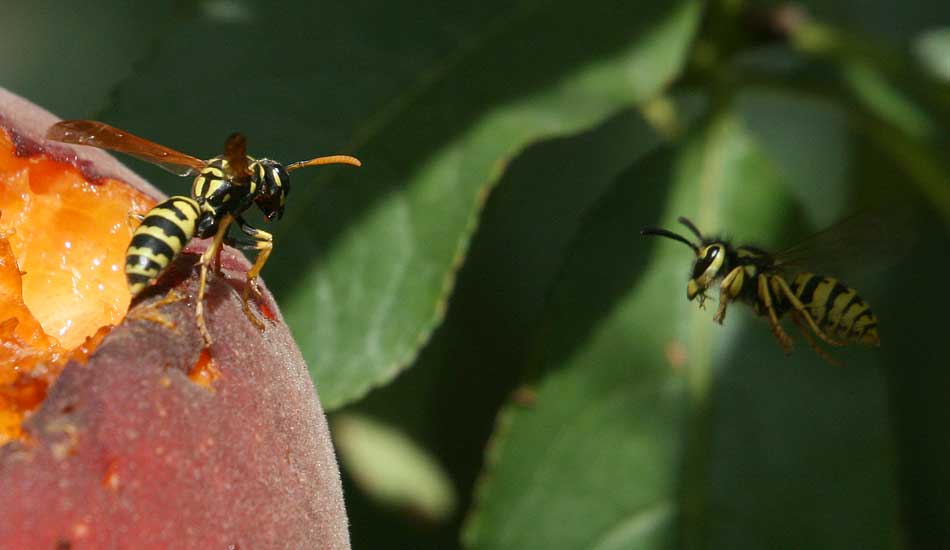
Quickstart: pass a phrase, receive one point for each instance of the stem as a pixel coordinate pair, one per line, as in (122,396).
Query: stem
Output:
(694,478)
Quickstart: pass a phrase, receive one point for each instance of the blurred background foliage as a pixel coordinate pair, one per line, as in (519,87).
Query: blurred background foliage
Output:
(505,362)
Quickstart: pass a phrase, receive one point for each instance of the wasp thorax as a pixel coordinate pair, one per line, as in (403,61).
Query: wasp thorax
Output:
(706,269)
(274,185)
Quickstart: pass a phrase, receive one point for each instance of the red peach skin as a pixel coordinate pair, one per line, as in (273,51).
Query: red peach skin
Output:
(127,451)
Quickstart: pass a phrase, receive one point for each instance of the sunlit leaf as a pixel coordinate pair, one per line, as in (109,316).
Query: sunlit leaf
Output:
(933,51)
(393,469)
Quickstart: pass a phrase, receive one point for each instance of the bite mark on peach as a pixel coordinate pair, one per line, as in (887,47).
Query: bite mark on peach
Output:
(68,234)
(62,241)
(204,372)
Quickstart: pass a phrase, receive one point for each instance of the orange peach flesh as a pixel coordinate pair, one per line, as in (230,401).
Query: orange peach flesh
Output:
(62,282)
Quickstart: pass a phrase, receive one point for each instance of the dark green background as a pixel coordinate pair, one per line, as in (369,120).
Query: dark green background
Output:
(506,363)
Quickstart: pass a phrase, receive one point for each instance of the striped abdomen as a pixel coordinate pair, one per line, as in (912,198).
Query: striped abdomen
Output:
(837,309)
(166,229)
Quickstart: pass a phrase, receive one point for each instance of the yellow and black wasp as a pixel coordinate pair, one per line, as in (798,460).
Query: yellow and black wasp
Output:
(223,188)
(775,285)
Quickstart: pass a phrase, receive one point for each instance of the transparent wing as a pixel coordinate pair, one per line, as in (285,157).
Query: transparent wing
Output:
(857,242)
(103,136)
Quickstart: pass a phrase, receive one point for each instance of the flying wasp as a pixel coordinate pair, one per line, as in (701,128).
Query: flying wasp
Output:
(775,285)
(223,188)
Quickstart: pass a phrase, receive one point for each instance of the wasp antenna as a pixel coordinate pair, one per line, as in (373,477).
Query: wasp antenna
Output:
(670,235)
(692,227)
(332,159)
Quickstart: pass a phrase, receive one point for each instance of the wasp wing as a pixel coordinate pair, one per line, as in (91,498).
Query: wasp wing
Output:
(235,152)
(860,240)
(103,136)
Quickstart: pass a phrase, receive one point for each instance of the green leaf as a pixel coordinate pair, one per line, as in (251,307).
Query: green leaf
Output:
(933,52)
(472,362)
(816,175)
(879,18)
(914,355)
(67,60)
(392,468)
(855,168)
(436,105)
(902,109)
(652,426)
(915,364)
(887,100)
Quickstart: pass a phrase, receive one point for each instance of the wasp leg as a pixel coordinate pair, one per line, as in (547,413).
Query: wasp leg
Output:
(728,290)
(263,243)
(800,309)
(151,313)
(217,260)
(134,220)
(812,343)
(204,262)
(765,296)
(240,244)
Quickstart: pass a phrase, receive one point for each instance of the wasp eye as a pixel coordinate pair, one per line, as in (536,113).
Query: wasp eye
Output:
(703,263)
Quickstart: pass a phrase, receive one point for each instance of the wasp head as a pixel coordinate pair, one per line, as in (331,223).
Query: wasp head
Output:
(273,187)
(710,258)
(706,268)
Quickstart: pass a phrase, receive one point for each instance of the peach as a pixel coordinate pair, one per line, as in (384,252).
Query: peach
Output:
(116,428)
